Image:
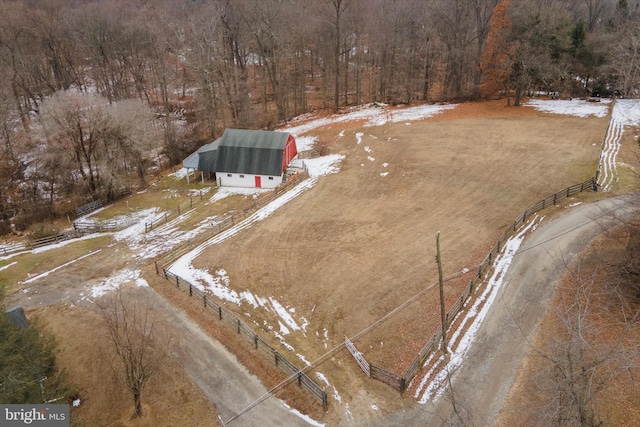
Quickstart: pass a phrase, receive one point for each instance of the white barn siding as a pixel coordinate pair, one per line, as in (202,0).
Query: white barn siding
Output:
(248,180)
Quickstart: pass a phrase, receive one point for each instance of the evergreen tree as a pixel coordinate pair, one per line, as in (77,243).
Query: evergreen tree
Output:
(28,371)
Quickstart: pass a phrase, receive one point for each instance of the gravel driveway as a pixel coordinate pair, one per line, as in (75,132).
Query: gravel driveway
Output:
(481,384)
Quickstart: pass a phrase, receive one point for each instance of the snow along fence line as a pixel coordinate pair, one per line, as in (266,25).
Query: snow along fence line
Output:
(230,220)
(233,320)
(400,382)
(229,317)
(108,226)
(148,226)
(33,244)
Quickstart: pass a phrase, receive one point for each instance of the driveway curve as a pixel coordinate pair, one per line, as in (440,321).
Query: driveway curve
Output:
(479,387)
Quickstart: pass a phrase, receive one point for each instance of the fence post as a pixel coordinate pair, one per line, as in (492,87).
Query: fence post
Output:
(255,340)
(156,264)
(403,382)
(238,325)
(555,198)
(275,354)
(204,299)
(220,312)
(190,290)
(177,282)
(299,378)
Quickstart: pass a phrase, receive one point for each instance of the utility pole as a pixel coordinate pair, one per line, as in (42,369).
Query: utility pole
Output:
(441,281)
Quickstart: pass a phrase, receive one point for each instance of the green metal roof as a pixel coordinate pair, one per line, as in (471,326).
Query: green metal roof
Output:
(255,152)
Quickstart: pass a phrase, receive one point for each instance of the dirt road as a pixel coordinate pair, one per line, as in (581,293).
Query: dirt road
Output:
(222,378)
(481,384)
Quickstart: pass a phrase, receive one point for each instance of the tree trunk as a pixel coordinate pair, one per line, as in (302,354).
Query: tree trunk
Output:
(137,411)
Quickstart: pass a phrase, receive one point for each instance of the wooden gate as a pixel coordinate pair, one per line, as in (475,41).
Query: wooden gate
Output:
(360,360)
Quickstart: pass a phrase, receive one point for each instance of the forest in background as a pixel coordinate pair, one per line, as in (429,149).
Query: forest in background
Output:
(96,94)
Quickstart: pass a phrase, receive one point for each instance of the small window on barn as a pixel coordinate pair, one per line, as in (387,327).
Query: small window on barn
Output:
(241,176)
(229,175)
(271,178)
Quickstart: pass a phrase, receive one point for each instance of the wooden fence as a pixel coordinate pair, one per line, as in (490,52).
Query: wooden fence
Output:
(89,207)
(228,221)
(148,226)
(400,382)
(33,244)
(233,320)
(358,356)
(87,227)
(9,248)
(210,303)
(308,154)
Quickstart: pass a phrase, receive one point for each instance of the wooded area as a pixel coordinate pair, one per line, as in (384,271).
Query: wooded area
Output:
(94,94)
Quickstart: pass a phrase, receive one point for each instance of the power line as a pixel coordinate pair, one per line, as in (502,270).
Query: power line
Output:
(336,349)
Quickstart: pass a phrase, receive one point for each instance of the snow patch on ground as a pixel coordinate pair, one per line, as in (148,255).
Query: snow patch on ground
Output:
(8,265)
(324,379)
(574,107)
(306,418)
(235,191)
(626,112)
(377,115)
(114,282)
(179,174)
(304,143)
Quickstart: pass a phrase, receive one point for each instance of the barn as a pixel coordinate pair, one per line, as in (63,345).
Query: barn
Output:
(246,158)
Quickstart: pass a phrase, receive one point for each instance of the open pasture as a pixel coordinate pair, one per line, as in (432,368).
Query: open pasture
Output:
(341,255)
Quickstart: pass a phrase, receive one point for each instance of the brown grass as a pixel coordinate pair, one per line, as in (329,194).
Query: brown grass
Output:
(169,399)
(358,244)
(618,402)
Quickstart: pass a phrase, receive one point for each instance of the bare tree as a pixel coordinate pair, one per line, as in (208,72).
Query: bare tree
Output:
(588,349)
(103,143)
(626,60)
(133,331)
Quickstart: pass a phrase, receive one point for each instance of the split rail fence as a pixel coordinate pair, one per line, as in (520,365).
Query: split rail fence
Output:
(33,244)
(400,382)
(210,303)
(233,320)
(148,226)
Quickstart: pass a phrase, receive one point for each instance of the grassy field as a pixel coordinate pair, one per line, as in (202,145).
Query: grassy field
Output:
(361,242)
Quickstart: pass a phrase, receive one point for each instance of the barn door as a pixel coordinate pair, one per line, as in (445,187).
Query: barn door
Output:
(258,182)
